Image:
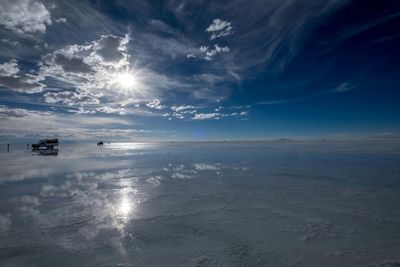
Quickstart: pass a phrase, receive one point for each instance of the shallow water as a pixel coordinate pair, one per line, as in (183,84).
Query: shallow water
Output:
(202,204)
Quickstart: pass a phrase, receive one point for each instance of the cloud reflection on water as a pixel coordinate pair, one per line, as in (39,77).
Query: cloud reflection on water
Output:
(125,206)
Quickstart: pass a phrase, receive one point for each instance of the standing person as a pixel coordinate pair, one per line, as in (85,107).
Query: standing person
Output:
(8,147)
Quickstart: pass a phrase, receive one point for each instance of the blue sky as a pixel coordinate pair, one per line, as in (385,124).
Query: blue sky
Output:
(199,70)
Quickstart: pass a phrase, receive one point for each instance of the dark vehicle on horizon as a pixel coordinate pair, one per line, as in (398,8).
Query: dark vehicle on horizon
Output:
(46,144)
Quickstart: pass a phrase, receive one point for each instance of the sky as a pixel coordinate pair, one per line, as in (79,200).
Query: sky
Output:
(199,70)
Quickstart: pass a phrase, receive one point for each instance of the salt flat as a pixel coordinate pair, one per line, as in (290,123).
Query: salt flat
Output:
(202,204)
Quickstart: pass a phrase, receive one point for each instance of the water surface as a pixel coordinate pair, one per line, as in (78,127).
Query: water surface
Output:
(202,204)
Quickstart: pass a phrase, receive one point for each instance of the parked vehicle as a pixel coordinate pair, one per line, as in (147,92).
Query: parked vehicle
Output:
(46,144)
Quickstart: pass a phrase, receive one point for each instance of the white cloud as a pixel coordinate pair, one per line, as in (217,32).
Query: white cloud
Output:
(90,67)
(112,50)
(16,121)
(111,110)
(70,98)
(9,68)
(203,48)
(7,112)
(182,107)
(61,20)
(210,52)
(29,84)
(206,116)
(219,28)
(188,111)
(11,78)
(206,167)
(9,42)
(155,104)
(92,70)
(180,112)
(81,110)
(155,180)
(24,16)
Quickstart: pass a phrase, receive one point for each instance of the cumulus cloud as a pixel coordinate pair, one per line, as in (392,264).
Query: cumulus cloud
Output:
(72,64)
(206,116)
(92,71)
(61,20)
(207,167)
(24,16)
(81,110)
(180,112)
(70,98)
(182,107)
(9,68)
(112,49)
(210,52)
(219,28)
(91,66)
(205,112)
(155,104)
(13,79)
(112,110)
(29,84)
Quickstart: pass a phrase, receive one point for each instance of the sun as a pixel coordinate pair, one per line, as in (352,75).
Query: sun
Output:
(126,80)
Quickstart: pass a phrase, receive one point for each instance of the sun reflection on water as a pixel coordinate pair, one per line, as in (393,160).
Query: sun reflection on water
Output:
(128,146)
(125,206)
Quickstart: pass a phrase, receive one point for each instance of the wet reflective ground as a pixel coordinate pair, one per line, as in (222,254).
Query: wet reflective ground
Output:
(201,204)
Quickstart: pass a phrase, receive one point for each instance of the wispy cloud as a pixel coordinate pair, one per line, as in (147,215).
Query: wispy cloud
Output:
(338,38)
(342,88)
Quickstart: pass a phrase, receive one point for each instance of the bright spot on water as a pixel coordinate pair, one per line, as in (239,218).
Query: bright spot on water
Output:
(125,207)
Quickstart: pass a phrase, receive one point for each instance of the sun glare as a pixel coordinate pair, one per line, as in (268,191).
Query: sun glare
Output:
(126,80)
